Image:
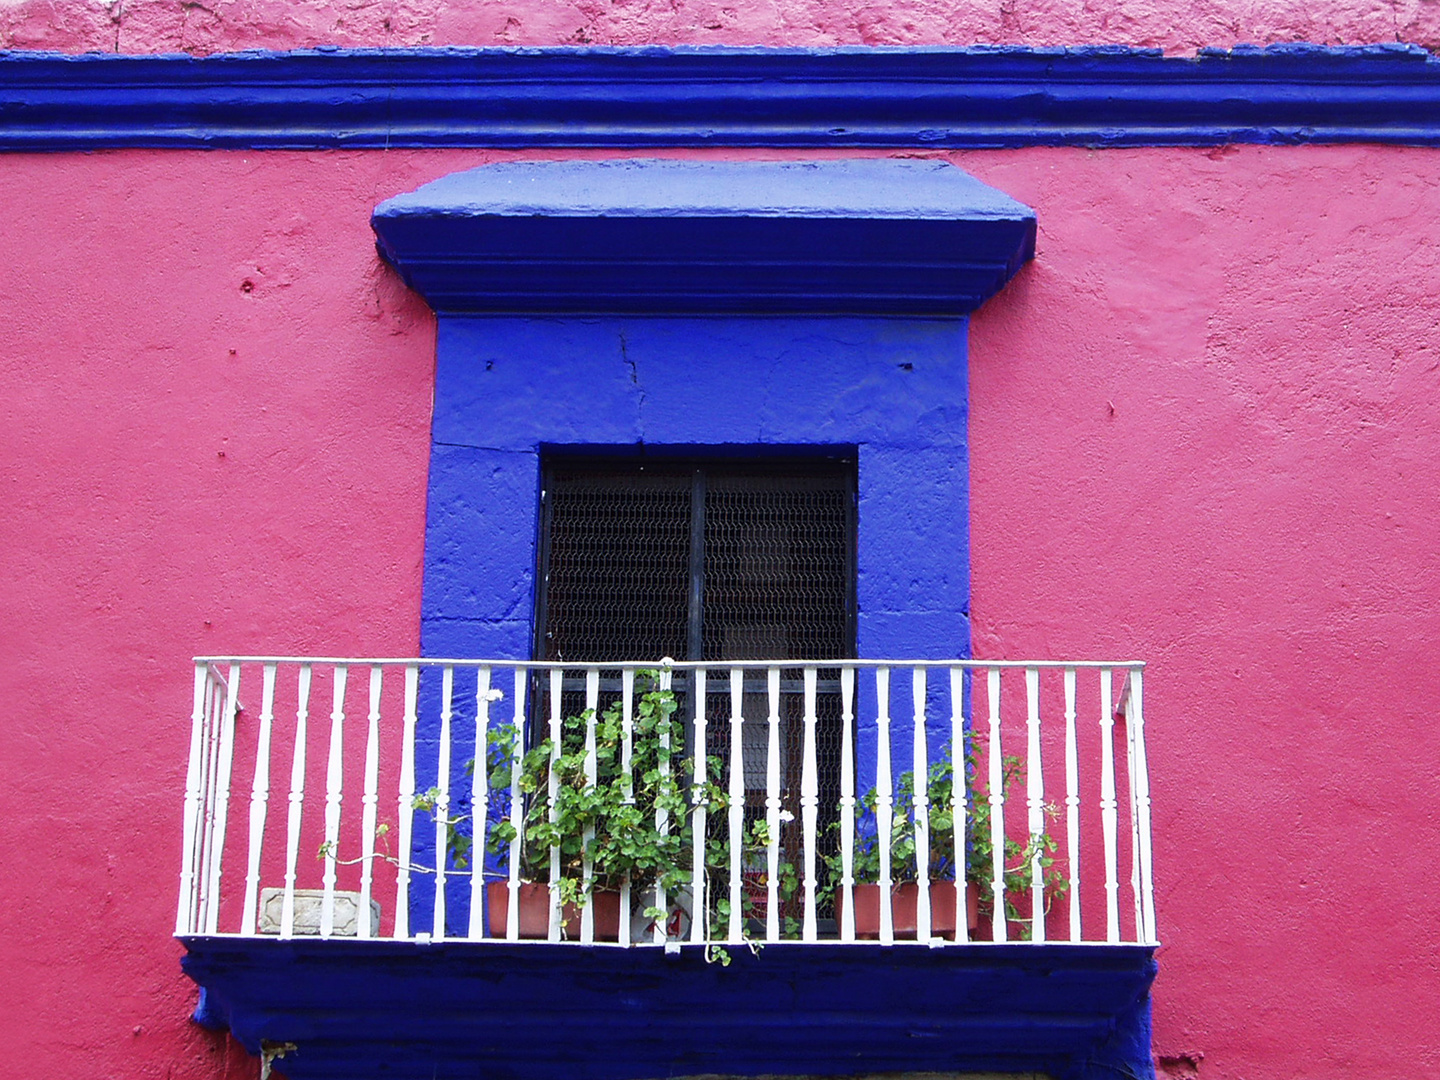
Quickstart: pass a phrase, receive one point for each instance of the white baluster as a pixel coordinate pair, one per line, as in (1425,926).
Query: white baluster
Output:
(699,900)
(297,802)
(772,811)
(259,800)
(1035,796)
(214,711)
(405,811)
(847,804)
(920,764)
(370,803)
(959,791)
(442,802)
(1109,805)
(1072,806)
(1136,725)
(662,821)
(517,810)
(185,921)
(222,795)
(737,806)
(627,738)
(999,926)
(333,781)
(1134,814)
(592,705)
(557,681)
(884,801)
(209,727)
(480,803)
(809,805)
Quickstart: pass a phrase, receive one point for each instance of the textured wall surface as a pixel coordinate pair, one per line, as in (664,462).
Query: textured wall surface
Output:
(893,390)
(214,417)
(1205,432)
(1175,25)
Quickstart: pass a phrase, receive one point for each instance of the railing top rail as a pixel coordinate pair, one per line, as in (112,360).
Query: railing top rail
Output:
(674,665)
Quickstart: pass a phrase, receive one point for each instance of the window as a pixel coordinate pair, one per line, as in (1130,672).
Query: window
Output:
(698,560)
(708,560)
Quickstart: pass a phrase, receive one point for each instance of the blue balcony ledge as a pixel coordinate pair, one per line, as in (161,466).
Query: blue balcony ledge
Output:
(544,1011)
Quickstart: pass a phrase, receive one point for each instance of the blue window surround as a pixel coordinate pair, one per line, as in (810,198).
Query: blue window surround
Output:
(730,280)
(940,97)
(781,363)
(691,307)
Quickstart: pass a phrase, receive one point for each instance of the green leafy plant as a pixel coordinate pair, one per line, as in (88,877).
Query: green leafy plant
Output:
(636,823)
(632,823)
(1020,859)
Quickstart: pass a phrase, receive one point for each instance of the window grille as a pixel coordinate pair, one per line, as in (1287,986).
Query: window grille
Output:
(707,560)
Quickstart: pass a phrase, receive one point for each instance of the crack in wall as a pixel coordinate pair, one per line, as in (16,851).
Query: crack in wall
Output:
(634,370)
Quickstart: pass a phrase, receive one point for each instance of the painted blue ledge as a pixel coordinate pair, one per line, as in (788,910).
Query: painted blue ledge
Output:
(642,97)
(663,237)
(536,1011)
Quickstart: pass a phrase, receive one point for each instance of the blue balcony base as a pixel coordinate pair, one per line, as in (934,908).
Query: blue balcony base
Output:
(535,1011)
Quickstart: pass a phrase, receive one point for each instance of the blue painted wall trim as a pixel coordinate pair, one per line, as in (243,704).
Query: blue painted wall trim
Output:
(893,390)
(851,97)
(893,393)
(650,236)
(890,394)
(550,1012)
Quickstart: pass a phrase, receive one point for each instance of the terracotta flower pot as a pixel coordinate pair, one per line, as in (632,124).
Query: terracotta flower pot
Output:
(904,900)
(535,912)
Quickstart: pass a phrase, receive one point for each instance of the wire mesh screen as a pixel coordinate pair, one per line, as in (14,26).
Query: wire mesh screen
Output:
(777,587)
(618,567)
(772,579)
(777,557)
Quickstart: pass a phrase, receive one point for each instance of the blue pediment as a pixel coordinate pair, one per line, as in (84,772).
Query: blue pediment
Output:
(902,237)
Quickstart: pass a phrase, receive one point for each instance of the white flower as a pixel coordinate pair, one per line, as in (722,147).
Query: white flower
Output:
(786,815)
(667,661)
(494,695)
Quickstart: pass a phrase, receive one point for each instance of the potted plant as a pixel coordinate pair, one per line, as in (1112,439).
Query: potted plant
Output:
(977,855)
(614,822)
(630,824)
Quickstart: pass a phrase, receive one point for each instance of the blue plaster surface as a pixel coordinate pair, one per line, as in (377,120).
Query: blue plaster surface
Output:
(905,188)
(653,236)
(894,392)
(507,387)
(983,96)
(1125,1052)
(552,1012)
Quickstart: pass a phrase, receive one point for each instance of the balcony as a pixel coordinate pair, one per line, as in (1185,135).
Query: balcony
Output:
(359,882)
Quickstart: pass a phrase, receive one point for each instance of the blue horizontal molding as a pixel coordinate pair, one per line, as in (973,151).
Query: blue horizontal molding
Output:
(686,96)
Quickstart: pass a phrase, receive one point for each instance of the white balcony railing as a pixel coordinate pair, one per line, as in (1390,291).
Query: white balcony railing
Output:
(804,798)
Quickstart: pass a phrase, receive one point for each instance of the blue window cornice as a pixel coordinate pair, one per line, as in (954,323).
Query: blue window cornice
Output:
(647,97)
(859,237)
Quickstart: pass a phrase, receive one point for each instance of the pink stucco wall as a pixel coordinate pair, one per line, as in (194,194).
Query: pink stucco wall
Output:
(1205,432)
(1178,26)
(214,433)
